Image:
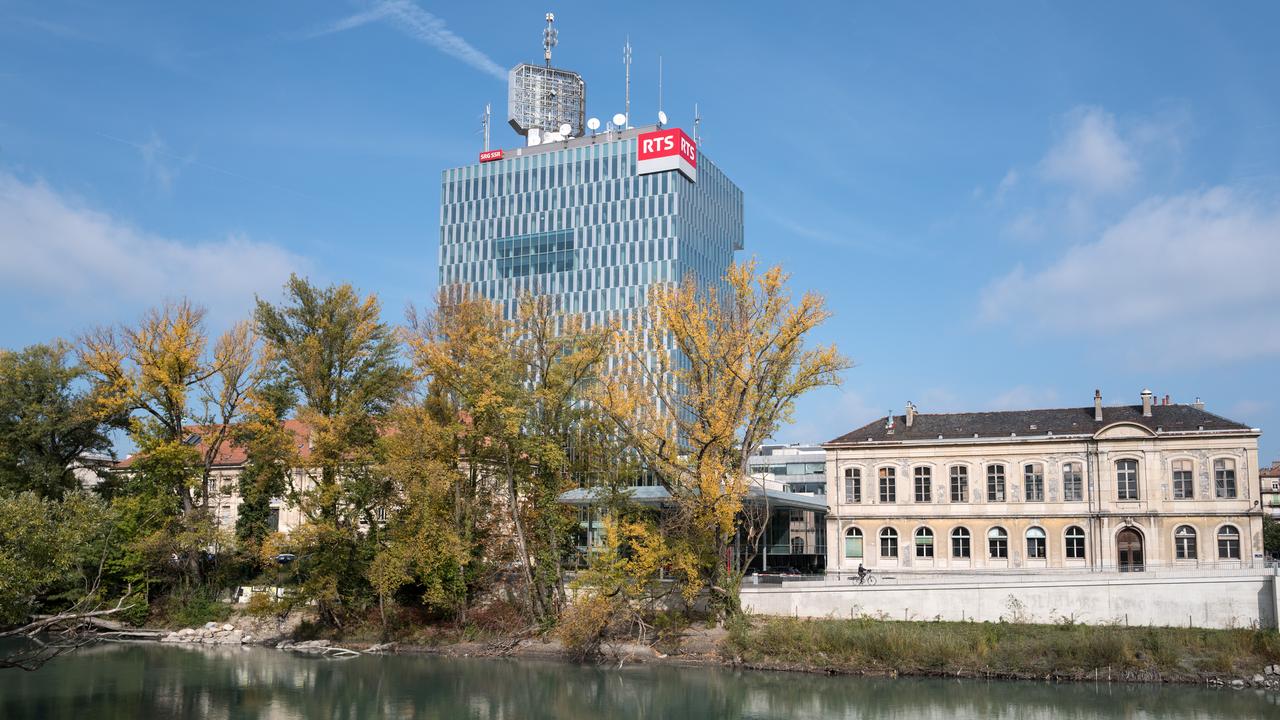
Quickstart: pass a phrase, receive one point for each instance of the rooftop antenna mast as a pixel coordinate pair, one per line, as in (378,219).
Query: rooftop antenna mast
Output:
(697,125)
(626,61)
(488,116)
(659,84)
(549,37)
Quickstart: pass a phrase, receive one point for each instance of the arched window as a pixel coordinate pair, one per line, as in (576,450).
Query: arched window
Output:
(1075,543)
(797,546)
(960,543)
(1036,544)
(853,543)
(1033,482)
(853,485)
(924,484)
(1072,482)
(1127,479)
(1184,481)
(1184,543)
(995,483)
(1224,478)
(959,484)
(1228,543)
(924,542)
(997,543)
(888,485)
(889,543)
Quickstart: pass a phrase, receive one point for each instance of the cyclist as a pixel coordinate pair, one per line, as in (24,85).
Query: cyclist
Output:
(862,573)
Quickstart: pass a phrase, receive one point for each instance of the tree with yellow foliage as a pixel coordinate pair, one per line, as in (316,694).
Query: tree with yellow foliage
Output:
(704,377)
(515,392)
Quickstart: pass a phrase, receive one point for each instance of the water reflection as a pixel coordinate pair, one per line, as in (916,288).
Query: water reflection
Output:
(152,681)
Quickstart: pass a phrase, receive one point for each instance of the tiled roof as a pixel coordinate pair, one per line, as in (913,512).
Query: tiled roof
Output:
(231,454)
(1273,471)
(1023,423)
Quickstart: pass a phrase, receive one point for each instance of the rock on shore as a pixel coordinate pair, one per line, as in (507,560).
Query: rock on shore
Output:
(210,634)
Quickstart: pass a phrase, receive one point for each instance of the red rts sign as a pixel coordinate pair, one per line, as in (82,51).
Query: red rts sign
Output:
(490,156)
(666,143)
(663,150)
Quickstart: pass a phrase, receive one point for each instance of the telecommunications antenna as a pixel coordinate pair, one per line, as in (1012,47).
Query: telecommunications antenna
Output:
(620,121)
(565,129)
(593,124)
(662,118)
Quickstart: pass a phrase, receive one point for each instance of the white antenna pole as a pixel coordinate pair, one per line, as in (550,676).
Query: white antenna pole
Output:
(626,61)
(697,125)
(488,111)
(549,37)
(659,83)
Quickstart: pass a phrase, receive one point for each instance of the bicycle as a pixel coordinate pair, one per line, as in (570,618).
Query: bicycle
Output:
(867,579)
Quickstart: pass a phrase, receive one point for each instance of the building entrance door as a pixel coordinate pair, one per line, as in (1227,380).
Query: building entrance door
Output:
(1129,548)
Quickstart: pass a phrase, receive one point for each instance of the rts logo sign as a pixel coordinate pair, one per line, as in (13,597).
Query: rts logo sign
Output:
(664,150)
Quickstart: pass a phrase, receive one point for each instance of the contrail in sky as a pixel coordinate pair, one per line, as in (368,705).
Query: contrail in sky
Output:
(422,26)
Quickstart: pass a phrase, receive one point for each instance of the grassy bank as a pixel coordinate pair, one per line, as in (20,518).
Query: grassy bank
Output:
(1002,649)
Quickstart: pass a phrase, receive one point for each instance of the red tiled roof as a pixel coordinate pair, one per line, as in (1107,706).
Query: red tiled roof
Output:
(1271,472)
(231,454)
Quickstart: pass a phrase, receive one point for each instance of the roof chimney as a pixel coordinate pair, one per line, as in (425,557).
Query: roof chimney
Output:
(1166,399)
(1199,404)
(1097,406)
(888,422)
(911,414)
(1146,402)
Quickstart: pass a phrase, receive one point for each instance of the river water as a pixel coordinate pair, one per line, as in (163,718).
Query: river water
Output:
(146,681)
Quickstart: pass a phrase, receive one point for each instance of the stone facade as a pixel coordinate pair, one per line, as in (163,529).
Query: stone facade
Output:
(1160,486)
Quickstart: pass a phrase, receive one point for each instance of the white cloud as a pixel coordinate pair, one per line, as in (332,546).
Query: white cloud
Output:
(1007,183)
(422,26)
(1180,280)
(1090,155)
(69,267)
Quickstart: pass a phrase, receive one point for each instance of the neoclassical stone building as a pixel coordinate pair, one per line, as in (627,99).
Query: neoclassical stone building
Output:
(1128,488)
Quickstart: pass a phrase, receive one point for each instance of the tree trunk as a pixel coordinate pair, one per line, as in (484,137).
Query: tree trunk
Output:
(531,595)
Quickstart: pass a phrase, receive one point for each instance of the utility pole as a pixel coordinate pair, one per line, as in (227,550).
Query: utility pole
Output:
(626,61)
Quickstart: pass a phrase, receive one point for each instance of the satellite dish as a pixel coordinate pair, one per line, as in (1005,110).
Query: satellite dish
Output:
(593,124)
(620,120)
(662,118)
(565,129)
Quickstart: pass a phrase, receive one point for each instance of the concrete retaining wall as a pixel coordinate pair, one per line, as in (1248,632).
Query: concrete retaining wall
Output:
(1208,602)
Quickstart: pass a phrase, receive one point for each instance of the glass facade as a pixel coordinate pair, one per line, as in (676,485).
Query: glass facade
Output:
(574,220)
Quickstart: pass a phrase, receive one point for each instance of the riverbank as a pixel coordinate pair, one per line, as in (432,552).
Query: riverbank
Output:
(861,646)
(1071,652)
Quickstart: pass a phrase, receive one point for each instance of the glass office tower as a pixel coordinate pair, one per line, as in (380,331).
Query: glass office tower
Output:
(575,220)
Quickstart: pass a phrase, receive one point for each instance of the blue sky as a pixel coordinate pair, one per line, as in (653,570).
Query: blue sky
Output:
(1006,204)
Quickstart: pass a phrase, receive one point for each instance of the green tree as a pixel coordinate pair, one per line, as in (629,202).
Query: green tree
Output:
(331,347)
(1271,536)
(46,421)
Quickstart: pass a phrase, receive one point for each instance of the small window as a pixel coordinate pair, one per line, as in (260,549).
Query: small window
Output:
(853,543)
(853,485)
(1184,543)
(1183,480)
(960,543)
(997,543)
(995,483)
(924,484)
(888,485)
(889,543)
(797,546)
(1072,482)
(1228,543)
(959,484)
(1224,478)
(1036,544)
(1127,479)
(924,543)
(1033,482)
(1075,543)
